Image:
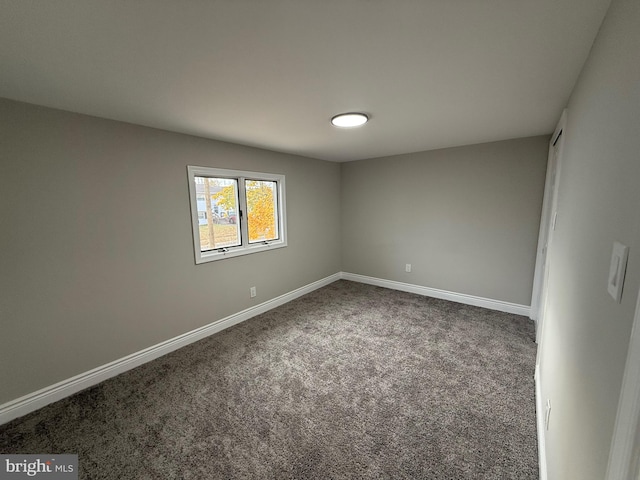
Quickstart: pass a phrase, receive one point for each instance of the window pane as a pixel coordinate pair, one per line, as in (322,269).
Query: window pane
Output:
(262,210)
(217,200)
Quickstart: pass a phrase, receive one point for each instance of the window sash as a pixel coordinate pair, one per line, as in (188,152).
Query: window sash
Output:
(276,225)
(235,239)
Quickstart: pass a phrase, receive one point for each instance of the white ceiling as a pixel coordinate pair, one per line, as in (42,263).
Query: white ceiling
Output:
(271,73)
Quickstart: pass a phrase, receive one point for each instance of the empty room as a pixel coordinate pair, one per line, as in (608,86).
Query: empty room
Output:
(356,239)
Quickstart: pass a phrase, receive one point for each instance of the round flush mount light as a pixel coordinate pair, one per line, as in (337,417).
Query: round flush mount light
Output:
(351,119)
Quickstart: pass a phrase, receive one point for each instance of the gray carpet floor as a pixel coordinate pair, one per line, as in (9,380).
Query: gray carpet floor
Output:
(349,381)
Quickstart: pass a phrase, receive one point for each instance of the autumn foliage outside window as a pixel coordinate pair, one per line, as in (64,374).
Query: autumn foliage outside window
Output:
(261,210)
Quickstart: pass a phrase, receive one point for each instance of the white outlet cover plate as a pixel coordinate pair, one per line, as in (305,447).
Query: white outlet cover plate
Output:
(617,269)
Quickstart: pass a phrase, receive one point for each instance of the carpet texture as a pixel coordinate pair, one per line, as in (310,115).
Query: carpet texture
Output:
(349,381)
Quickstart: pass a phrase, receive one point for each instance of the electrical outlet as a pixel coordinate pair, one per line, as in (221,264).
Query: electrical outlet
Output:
(252,292)
(547,414)
(407,267)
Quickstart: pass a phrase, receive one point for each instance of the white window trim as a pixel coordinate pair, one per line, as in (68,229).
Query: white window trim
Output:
(245,248)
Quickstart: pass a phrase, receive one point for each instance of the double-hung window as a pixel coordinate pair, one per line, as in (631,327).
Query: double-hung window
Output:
(235,212)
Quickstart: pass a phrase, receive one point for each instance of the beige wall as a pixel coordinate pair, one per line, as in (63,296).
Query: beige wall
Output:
(586,334)
(96,252)
(466,218)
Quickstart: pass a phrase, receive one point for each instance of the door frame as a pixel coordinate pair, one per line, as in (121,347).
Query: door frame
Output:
(549,205)
(624,457)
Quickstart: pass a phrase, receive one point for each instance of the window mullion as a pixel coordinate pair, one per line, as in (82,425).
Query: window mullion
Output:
(244,226)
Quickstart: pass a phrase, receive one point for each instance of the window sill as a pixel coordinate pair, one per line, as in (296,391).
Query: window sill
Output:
(230,252)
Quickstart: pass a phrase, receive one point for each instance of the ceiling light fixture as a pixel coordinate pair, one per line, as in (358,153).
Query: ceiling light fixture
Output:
(351,119)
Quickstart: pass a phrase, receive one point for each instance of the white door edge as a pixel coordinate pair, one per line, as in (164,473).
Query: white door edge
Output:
(624,461)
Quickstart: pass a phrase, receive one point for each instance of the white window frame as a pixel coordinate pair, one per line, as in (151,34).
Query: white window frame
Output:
(244,248)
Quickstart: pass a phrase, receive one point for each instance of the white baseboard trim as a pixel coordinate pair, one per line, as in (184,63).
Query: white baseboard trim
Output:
(33,401)
(542,452)
(498,305)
